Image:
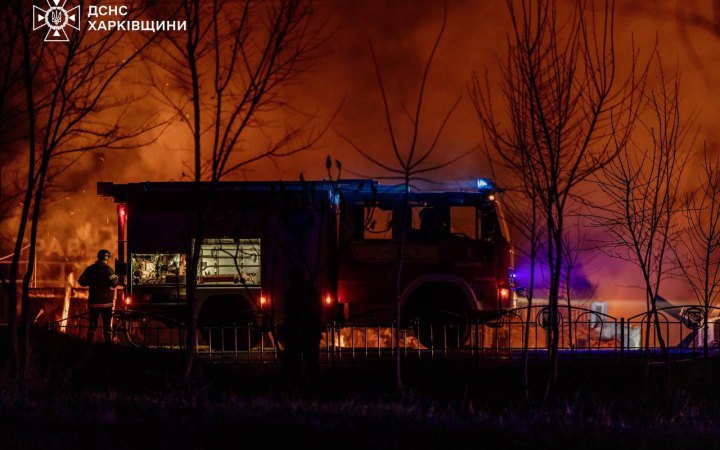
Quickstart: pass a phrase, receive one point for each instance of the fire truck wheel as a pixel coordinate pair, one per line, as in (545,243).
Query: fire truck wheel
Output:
(438,316)
(227,323)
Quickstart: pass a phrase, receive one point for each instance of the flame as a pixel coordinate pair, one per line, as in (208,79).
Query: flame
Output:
(66,300)
(350,74)
(370,337)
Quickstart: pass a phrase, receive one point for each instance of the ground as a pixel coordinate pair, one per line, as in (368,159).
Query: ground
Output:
(84,396)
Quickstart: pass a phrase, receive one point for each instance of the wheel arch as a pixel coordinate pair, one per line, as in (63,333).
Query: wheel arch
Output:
(471,300)
(217,305)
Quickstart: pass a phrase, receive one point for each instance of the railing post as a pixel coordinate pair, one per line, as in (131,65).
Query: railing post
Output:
(275,343)
(262,345)
(236,344)
(334,325)
(249,342)
(418,341)
(378,342)
(393,339)
(477,342)
(327,342)
(432,343)
(472,339)
(622,337)
(365,342)
(404,339)
(482,339)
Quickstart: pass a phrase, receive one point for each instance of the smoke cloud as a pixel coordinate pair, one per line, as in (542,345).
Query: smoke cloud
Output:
(402,33)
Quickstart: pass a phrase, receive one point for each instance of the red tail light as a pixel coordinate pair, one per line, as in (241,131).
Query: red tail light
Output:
(504,296)
(122,219)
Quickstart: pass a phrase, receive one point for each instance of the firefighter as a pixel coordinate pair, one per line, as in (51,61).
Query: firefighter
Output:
(101,280)
(301,329)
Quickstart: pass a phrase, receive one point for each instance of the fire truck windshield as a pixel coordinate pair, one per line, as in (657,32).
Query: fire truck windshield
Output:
(431,221)
(464,221)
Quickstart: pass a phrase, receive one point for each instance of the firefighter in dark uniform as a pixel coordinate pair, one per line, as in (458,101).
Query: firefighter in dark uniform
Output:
(301,330)
(101,280)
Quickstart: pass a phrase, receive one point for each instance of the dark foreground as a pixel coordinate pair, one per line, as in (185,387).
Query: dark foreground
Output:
(84,396)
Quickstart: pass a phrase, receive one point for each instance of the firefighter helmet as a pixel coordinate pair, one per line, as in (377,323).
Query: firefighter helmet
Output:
(103,255)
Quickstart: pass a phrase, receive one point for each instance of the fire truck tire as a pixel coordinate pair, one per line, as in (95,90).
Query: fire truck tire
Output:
(227,323)
(437,315)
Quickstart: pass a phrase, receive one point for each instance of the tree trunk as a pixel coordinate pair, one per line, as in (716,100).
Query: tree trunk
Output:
(29,190)
(398,283)
(25,341)
(555,275)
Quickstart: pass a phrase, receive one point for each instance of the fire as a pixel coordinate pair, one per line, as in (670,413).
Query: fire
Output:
(361,337)
(70,283)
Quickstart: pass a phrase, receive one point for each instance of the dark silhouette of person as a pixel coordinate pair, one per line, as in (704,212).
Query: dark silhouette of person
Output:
(101,280)
(301,330)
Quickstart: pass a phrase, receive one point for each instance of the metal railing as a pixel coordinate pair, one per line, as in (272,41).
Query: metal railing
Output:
(137,329)
(581,332)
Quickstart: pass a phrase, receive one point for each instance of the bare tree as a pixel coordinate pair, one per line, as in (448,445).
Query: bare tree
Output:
(568,115)
(698,252)
(521,204)
(11,180)
(642,187)
(228,75)
(410,165)
(70,109)
(575,246)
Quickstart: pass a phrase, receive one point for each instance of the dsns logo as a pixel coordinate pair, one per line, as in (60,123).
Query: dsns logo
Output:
(56,18)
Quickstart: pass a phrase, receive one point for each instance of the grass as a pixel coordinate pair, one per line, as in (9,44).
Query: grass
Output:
(85,396)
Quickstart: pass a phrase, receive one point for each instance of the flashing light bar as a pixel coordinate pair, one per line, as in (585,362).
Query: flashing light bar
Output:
(484,184)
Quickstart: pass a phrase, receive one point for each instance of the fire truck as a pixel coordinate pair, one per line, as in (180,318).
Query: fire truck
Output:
(451,262)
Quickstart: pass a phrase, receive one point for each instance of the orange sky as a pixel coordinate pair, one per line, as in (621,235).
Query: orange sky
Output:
(402,32)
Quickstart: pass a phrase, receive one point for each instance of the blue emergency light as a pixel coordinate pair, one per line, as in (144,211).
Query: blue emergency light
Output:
(484,184)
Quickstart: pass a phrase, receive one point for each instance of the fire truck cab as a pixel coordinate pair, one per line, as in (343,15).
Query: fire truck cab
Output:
(457,259)
(452,262)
